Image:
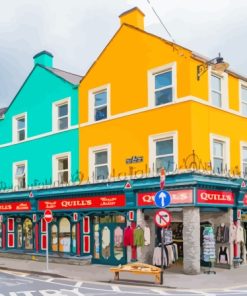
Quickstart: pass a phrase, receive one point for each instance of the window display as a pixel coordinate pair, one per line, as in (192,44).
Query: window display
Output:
(64,235)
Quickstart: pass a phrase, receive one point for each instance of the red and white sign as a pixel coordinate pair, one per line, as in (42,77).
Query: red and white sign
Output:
(245,200)
(110,201)
(15,206)
(177,197)
(162,218)
(48,216)
(215,197)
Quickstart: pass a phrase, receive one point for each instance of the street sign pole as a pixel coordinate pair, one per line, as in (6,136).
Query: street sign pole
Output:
(47,244)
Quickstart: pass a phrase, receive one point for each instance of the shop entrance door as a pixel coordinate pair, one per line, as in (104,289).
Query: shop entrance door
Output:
(111,247)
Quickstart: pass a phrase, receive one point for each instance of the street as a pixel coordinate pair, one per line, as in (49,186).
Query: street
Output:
(24,284)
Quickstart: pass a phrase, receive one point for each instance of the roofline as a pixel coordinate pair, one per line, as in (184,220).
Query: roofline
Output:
(43,52)
(132,9)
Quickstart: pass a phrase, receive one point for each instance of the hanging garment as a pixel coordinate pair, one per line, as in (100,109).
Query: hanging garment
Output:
(233,233)
(222,234)
(128,236)
(105,237)
(157,257)
(170,254)
(139,237)
(118,236)
(167,236)
(239,234)
(147,236)
(223,255)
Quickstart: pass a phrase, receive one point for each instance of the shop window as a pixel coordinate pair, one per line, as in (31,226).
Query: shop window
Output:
(61,115)
(243,99)
(99,103)
(19,235)
(99,160)
(19,128)
(28,234)
(61,172)
(54,238)
(244,161)
(64,235)
(73,236)
(220,154)
(20,173)
(162,85)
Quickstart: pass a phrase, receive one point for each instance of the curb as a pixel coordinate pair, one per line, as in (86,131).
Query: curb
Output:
(56,275)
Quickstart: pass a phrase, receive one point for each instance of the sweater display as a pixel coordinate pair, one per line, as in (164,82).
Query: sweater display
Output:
(139,237)
(222,234)
(128,236)
(170,255)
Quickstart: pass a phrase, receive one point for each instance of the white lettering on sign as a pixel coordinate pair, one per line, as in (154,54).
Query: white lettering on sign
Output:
(217,197)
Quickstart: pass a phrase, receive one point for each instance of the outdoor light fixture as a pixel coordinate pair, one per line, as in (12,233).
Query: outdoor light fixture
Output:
(217,64)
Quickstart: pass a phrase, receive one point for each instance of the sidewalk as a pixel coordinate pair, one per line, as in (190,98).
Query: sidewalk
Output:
(100,273)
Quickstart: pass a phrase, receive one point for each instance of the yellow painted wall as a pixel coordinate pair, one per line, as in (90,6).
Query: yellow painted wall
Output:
(233,83)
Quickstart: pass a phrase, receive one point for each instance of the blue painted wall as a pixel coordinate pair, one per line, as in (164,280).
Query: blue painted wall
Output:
(36,97)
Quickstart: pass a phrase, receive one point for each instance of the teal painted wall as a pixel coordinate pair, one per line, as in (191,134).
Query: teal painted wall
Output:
(36,97)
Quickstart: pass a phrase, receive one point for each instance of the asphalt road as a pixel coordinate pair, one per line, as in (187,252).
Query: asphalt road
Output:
(21,284)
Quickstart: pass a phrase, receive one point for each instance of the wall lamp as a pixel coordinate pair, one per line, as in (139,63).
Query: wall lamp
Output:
(217,64)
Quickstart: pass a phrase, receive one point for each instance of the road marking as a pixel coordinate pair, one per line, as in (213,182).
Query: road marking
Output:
(115,288)
(78,284)
(49,280)
(159,291)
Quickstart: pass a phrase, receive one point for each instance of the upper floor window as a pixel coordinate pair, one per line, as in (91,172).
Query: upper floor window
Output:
(244,161)
(216,90)
(19,128)
(99,163)
(61,115)
(20,175)
(163,88)
(100,105)
(162,85)
(220,154)
(243,97)
(61,168)
(163,152)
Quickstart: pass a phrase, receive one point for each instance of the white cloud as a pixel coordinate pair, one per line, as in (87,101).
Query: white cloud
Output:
(76,31)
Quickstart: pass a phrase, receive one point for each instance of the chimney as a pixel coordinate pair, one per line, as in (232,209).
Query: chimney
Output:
(133,17)
(43,58)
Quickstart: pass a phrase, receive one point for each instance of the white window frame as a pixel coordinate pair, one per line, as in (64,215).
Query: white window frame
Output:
(226,150)
(91,107)
(152,148)
(55,118)
(92,152)
(151,83)
(242,145)
(224,88)
(14,127)
(55,159)
(242,84)
(14,168)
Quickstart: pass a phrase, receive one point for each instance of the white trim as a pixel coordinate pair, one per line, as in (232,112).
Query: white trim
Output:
(244,84)
(151,82)
(55,158)
(14,166)
(226,156)
(14,127)
(152,139)
(91,96)
(224,88)
(40,136)
(92,151)
(242,145)
(55,106)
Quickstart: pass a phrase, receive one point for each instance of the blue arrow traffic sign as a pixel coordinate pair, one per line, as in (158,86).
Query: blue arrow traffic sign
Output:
(162,199)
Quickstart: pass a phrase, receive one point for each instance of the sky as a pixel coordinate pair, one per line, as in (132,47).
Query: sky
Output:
(76,31)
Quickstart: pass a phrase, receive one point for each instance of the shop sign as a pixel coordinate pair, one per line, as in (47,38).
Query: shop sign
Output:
(134,159)
(215,197)
(110,201)
(15,206)
(177,197)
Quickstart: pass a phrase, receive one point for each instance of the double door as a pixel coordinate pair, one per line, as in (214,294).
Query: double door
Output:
(108,244)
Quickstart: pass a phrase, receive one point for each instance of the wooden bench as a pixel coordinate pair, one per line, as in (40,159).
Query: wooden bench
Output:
(139,268)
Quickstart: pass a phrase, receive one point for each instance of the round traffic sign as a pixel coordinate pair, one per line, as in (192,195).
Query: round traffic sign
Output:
(162,218)
(48,216)
(162,199)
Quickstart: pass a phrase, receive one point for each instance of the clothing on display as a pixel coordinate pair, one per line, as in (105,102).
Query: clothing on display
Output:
(128,236)
(139,237)
(167,239)
(233,232)
(208,245)
(147,236)
(239,234)
(223,255)
(170,255)
(222,234)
